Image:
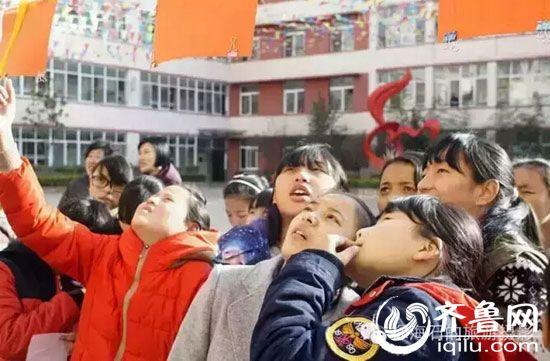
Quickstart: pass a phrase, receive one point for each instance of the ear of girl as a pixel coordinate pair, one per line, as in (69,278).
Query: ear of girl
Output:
(327,224)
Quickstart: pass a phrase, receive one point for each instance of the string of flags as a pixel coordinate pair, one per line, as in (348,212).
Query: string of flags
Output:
(124,27)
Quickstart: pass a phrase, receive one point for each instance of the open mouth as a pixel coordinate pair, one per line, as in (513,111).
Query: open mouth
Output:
(300,193)
(301,234)
(147,209)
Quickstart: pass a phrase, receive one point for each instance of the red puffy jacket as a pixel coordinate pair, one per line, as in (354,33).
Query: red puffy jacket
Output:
(135,297)
(22,318)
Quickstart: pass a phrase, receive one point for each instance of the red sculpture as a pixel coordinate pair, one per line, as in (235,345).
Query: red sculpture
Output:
(394,130)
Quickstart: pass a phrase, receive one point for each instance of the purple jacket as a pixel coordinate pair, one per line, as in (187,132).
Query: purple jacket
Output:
(169,175)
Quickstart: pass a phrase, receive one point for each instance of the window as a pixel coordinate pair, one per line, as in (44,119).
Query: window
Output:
(184,90)
(521,81)
(341,94)
(76,81)
(34,144)
(86,92)
(28,85)
(191,96)
(249,100)
(72,80)
(218,101)
(401,25)
(160,91)
(99,84)
(413,96)
(461,85)
(249,157)
(343,38)
(116,86)
(201,97)
(293,97)
(65,144)
(294,44)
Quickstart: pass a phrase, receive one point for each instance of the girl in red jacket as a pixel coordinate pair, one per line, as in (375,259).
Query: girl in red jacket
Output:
(138,285)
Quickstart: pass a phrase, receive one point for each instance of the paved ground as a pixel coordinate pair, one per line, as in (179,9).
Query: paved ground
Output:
(213,193)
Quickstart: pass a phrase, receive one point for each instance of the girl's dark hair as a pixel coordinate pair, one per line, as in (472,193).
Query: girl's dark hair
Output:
(538,164)
(462,240)
(312,156)
(118,168)
(315,156)
(99,144)
(136,192)
(509,214)
(365,218)
(162,150)
(407,158)
(264,199)
(91,213)
(246,186)
(197,211)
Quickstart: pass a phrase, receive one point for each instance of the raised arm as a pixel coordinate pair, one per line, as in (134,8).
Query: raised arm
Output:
(67,246)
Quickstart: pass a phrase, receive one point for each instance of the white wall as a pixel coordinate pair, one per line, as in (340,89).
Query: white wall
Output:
(292,125)
(366,61)
(356,123)
(105,117)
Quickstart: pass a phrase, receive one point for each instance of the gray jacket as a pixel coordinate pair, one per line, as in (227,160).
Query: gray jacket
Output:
(218,326)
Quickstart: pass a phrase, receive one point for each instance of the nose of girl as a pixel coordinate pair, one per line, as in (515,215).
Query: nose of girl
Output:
(310,218)
(424,185)
(302,176)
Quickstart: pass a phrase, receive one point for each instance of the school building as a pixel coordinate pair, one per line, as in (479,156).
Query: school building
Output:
(222,116)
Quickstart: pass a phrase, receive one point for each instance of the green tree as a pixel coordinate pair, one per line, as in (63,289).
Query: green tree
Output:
(527,124)
(322,121)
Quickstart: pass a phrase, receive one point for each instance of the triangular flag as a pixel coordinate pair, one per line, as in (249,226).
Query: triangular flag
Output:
(25,37)
(202,28)
(473,18)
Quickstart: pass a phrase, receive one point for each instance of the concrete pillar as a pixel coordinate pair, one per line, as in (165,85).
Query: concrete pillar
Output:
(429,87)
(133,88)
(132,142)
(492,77)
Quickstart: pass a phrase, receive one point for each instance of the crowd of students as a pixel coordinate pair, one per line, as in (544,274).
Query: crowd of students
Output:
(125,266)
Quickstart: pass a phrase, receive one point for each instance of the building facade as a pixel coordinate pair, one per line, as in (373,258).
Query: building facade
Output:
(223,117)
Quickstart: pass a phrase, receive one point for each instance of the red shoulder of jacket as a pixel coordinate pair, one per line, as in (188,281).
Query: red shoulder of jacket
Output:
(446,294)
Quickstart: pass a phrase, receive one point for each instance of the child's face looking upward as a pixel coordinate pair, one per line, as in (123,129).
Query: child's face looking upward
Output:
(296,187)
(162,215)
(396,181)
(393,247)
(333,214)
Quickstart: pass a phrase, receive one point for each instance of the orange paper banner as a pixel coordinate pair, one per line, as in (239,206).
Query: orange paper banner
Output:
(200,28)
(25,40)
(473,18)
